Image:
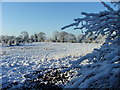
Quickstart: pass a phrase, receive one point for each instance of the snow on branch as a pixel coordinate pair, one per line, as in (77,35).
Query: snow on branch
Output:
(102,70)
(97,22)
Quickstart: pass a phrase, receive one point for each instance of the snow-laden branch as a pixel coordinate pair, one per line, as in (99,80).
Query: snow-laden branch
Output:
(103,68)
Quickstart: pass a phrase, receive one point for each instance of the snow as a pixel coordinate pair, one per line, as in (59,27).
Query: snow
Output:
(102,69)
(17,61)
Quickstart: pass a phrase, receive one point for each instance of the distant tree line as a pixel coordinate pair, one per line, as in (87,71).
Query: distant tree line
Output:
(62,37)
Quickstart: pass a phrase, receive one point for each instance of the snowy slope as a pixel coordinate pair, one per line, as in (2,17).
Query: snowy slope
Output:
(16,61)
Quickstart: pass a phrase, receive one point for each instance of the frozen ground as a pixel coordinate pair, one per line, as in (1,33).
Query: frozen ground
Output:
(16,61)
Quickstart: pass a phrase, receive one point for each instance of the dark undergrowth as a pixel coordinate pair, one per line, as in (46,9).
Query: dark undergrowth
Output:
(51,79)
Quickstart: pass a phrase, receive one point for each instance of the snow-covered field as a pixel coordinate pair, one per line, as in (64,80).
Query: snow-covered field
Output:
(16,61)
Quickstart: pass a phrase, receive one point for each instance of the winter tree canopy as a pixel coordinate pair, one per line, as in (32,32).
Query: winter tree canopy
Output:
(103,70)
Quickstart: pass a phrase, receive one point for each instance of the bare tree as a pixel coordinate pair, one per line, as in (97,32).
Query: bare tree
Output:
(56,36)
(71,38)
(19,39)
(41,36)
(25,36)
(62,36)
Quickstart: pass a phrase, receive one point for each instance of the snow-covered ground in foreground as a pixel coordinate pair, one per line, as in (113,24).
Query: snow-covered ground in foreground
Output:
(16,61)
